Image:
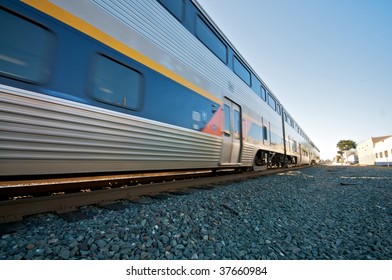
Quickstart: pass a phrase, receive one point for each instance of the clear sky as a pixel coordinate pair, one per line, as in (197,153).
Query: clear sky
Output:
(329,62)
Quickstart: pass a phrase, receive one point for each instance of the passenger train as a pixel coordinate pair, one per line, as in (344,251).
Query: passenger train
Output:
(105,86)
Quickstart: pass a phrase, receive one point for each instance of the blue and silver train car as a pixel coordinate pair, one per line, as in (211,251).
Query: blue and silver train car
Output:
(104,85)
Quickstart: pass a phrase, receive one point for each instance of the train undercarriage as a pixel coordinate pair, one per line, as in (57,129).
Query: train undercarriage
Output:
(267,159)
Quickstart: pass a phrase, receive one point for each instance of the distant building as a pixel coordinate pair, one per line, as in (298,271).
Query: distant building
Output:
(375,151)
(351,156)
(366,153)
(348,157)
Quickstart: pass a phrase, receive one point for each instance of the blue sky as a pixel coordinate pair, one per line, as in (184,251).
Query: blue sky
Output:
(329,62)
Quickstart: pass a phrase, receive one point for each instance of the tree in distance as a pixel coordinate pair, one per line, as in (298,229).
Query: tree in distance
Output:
(344,146)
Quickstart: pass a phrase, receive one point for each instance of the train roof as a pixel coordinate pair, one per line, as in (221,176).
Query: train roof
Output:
(217,29)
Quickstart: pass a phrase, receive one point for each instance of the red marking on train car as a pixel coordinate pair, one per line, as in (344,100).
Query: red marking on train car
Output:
(214,126)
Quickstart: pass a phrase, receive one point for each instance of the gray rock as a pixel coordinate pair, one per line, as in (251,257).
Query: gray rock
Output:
(101,243)
(307,214)
(93,247)
(165,240)
(149,243)
(115,248)
(144,255)
(18,257)
(39,252)
(80,238)
(83,247)
(53,241)
(64,253)
(195,256)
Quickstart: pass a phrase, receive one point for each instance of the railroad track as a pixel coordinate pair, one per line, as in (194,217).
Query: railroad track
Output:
(22,198)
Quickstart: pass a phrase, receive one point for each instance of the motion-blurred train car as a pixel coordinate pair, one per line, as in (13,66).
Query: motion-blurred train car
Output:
(104,85)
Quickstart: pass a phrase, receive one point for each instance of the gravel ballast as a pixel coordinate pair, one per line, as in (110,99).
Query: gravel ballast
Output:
(322,212)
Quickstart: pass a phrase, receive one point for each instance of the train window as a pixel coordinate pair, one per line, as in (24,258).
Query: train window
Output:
(263,93)
(227,120)
(26,49)
(211,40)
(271,102)
(237,125)
(265,133)
(116,83)
(288,120)
(256,86)
(279,109)
(241,71)
(176,7)
(294,146)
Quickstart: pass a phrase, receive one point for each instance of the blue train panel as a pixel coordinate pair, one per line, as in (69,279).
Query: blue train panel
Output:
(84,70)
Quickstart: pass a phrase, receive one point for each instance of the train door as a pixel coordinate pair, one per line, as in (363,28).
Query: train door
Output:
(266,135)
(232,133)
(300,153)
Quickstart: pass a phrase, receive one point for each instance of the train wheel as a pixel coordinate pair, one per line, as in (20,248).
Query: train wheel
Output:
(259,163)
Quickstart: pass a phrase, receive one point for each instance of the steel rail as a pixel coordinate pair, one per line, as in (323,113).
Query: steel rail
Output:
(49,186)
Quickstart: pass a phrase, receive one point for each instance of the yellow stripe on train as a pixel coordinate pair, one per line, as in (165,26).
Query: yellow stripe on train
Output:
(57,12)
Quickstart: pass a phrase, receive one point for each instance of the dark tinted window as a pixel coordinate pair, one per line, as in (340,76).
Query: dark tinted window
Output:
(176,7)
(256,86)
(241,71)
(263,93)
(289,121)
(265,133)
(116,83)
(237,125)
(211,40)
(227,119)
(26,49)
(271,102)
(279,109)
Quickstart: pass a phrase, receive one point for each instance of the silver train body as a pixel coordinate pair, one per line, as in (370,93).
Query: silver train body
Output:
(194,110)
